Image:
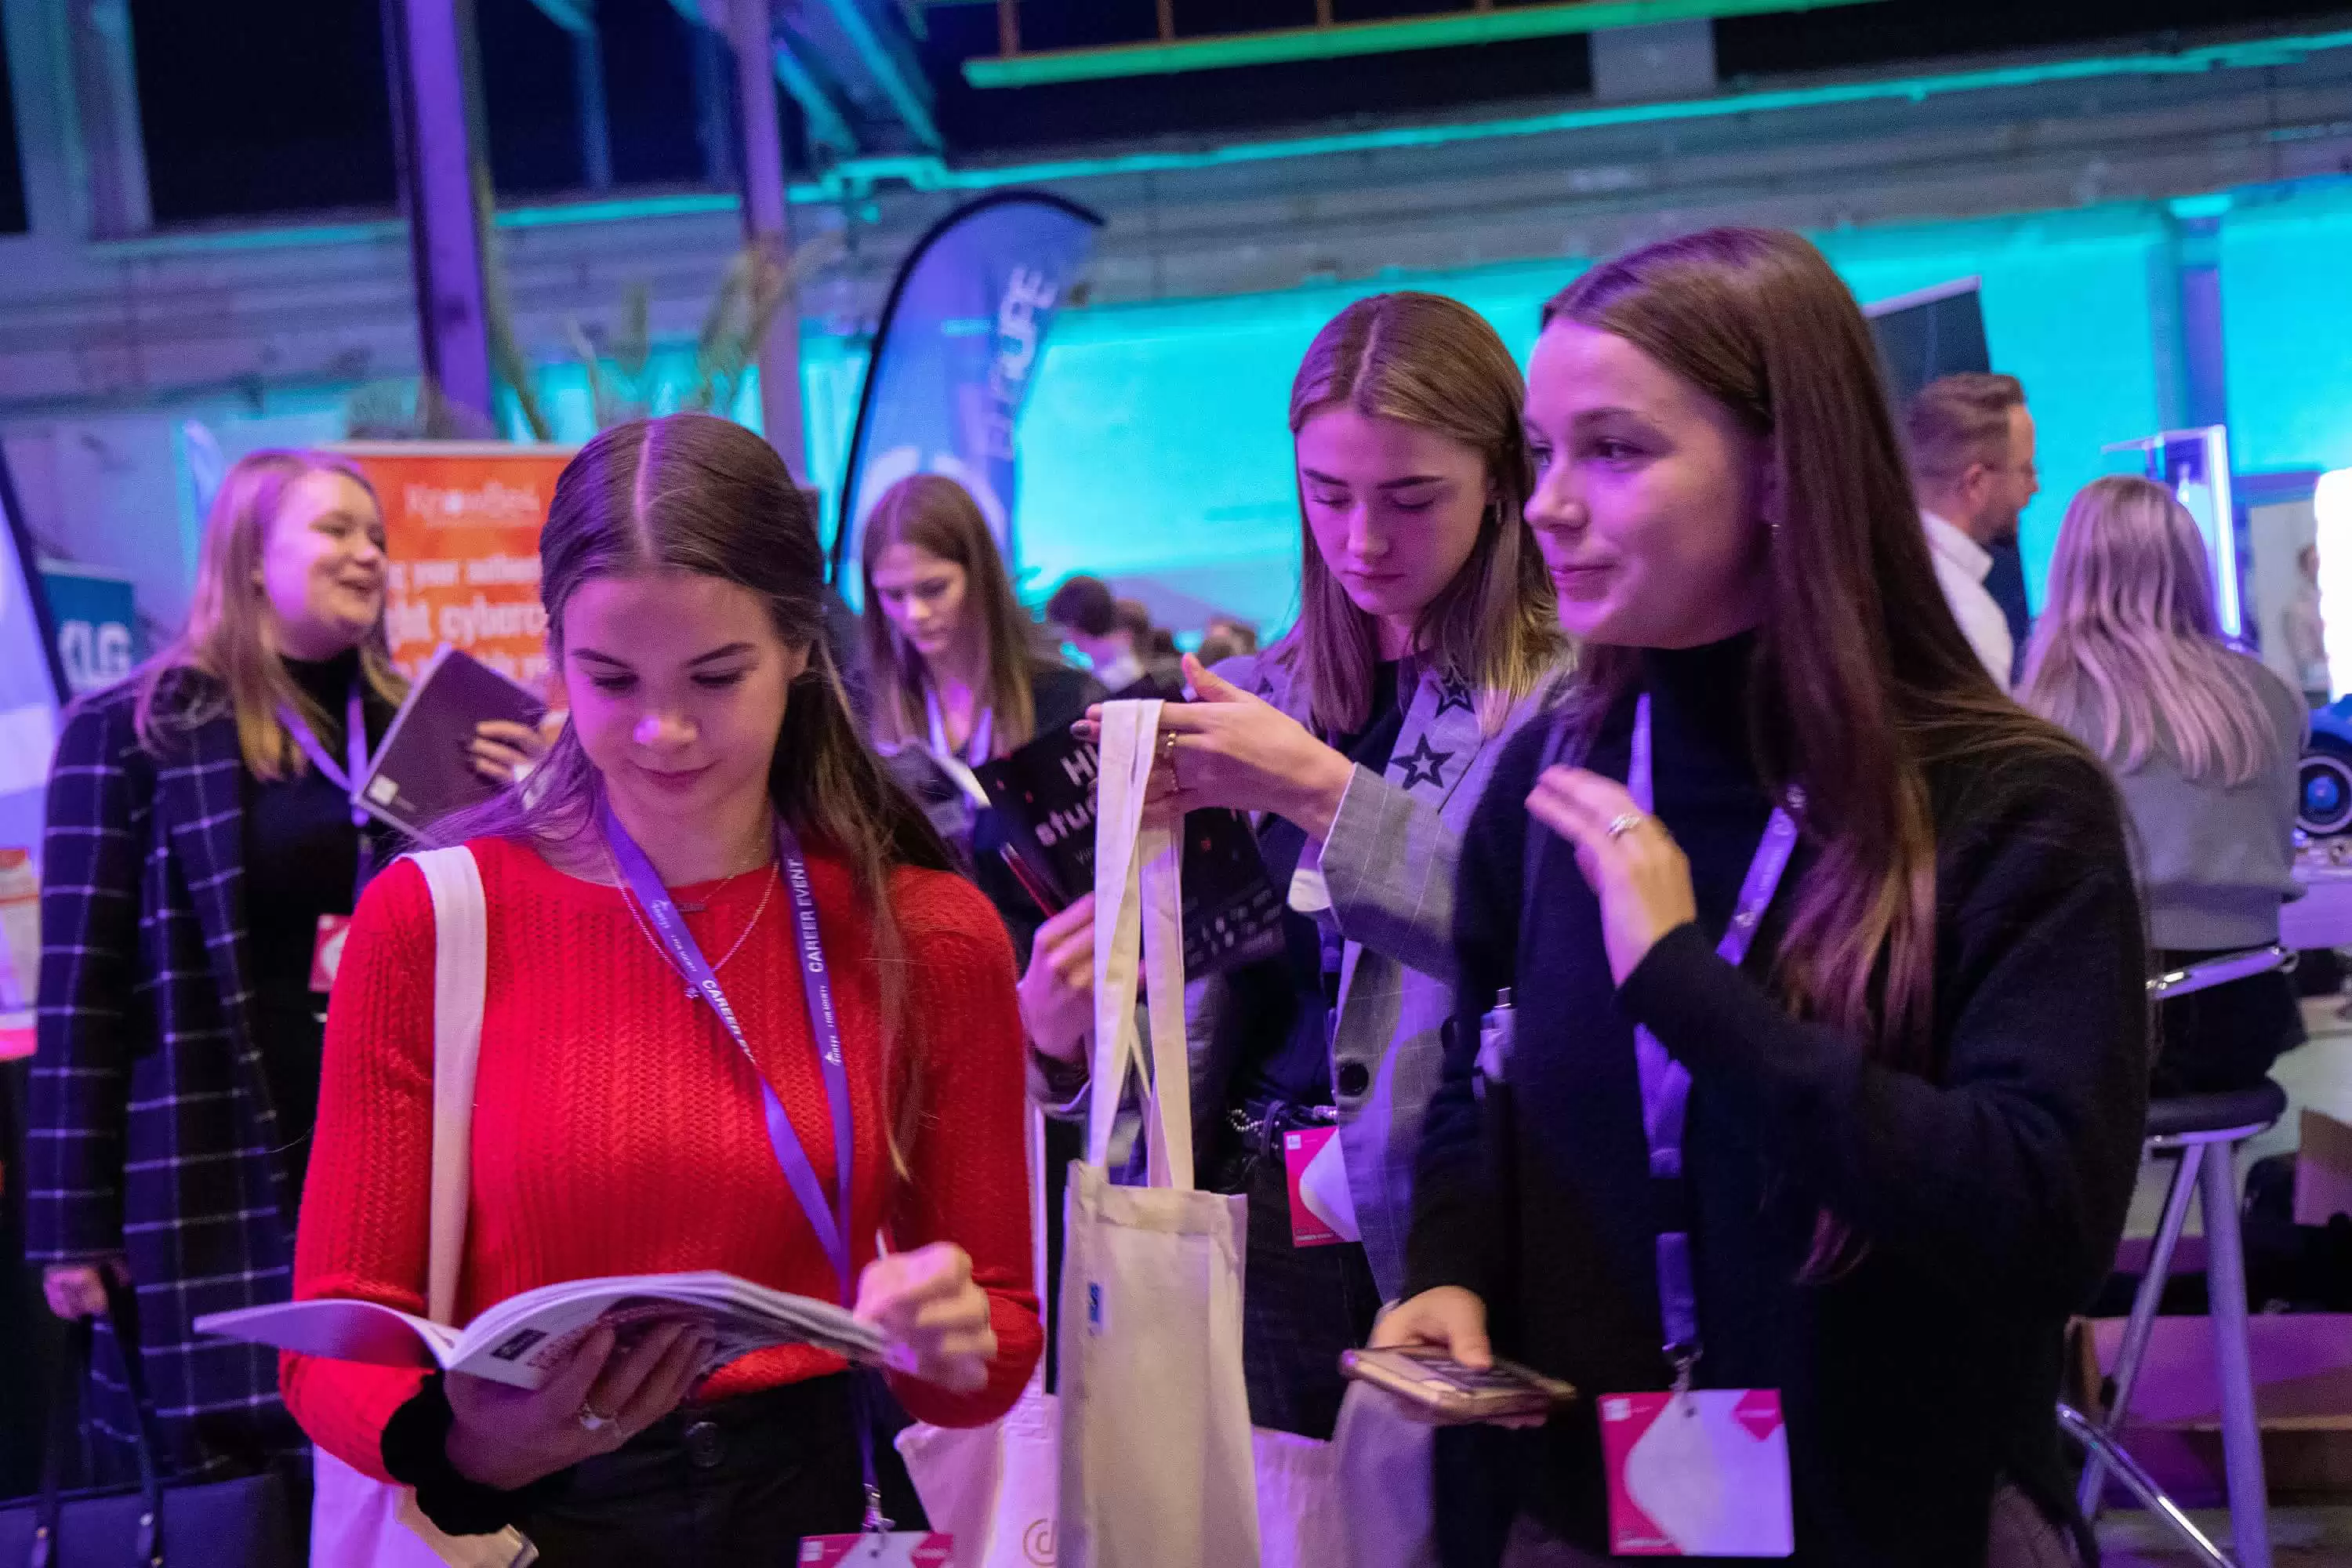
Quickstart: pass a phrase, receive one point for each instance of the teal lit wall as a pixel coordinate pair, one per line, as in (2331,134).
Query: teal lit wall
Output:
(1156,441)
(2286,313)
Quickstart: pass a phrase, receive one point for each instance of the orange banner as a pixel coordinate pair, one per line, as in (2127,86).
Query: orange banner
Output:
(461,524)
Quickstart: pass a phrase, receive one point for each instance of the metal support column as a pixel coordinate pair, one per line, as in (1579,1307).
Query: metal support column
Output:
(106,96)
(595,120)
(432,48)
(765,222)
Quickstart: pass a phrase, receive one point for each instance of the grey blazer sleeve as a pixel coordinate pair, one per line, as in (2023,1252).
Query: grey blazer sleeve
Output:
(1388,864)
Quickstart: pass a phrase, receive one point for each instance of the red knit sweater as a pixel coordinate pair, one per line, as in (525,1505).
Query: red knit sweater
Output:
(617,1128)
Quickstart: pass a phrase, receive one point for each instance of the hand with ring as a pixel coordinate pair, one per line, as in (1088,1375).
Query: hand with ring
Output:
(1228,748)
(1629,860)
(606,1394)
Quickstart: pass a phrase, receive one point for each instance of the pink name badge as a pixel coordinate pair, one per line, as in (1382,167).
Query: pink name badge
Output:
(1308,1228)
(1702,1475)
(897,1548)
(327,952)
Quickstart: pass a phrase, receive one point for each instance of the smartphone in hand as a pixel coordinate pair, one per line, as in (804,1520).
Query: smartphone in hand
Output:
(1448,1392)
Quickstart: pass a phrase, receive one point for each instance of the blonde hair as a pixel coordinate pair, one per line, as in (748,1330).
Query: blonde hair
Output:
(938,516)
(227,633)
(1434,363)
(2128,653)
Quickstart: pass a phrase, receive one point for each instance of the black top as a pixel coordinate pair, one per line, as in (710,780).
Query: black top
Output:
(1991,1199)
(1061,696)
(1282,1006)
(302,861)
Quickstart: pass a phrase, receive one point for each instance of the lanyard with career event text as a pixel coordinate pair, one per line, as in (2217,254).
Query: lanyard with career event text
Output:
(832,1223)
(355,749)
(1666,1082)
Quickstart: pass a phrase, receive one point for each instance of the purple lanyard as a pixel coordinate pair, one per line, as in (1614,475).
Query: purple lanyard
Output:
(830,1223)
(1666,1082)
(355,749)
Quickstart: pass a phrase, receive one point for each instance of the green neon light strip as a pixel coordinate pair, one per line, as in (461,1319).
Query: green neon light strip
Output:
(1276,46)
(859,176)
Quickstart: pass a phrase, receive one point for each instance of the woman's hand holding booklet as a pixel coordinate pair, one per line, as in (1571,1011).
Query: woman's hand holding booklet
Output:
(523,1339)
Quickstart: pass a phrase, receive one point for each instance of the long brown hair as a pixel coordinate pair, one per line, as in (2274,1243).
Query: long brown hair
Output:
(227,635)
(2128,653)
(938,516)
(694,493)
(1862,679)
(1432,363)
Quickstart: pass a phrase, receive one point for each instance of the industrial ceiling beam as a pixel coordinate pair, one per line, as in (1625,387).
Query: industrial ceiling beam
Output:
(1283,45)
(826,127)
(894,69)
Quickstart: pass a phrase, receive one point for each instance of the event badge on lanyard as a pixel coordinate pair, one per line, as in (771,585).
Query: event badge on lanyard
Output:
(876,1543)
(1694,1472)
(327,943)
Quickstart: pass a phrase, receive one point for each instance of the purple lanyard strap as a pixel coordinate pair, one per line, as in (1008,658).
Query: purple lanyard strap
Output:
(355,749)
(1666,1082)
(830,1223)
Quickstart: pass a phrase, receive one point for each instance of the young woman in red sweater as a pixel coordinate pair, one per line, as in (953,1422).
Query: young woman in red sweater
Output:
(620,1125)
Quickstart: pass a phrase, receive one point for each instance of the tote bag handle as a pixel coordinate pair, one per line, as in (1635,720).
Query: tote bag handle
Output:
(1138,916)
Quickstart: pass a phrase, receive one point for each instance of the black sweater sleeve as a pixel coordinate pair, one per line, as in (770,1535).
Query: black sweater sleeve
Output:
(2008,1177)
(1457,1218)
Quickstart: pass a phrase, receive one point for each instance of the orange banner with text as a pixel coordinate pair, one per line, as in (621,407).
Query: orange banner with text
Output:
(461,525)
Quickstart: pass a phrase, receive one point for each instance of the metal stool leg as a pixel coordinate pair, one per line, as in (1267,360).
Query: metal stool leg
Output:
(2142,1323)
(2241,1438)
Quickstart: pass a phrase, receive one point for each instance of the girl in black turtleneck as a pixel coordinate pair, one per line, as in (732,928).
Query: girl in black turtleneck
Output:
(1915,1109)
(200,828)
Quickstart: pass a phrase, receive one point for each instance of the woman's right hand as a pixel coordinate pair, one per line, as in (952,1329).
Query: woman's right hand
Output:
(1057,994)
(1450,1318)
(506,1438)
(79,1290)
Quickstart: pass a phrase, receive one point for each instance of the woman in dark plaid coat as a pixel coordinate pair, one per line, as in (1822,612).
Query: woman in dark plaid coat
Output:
(196,837)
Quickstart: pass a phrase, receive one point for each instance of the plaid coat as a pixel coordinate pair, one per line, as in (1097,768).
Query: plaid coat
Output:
(152,1129)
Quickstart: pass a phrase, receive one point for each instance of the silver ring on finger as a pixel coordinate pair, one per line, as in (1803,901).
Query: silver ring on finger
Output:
(1624,821)
(592,1419)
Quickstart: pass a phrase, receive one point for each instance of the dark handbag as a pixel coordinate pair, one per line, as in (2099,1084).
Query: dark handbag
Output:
(244,1522)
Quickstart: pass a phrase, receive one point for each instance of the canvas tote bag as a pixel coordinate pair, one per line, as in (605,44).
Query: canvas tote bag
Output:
(996,1488)
(356,1521)
(1156,1450)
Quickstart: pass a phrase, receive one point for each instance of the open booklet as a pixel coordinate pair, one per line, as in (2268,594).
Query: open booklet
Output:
(523,1339)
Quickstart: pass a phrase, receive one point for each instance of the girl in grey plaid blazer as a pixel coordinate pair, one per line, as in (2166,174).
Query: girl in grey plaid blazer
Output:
(1361,742)
(169,1094)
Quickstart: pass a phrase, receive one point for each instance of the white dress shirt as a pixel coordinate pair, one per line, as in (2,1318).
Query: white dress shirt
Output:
(1961,567)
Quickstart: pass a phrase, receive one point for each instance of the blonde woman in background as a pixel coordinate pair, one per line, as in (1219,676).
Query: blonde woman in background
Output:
(2203,741)
(200,831)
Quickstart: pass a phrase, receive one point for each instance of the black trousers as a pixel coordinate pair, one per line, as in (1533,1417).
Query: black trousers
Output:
(737,1482)
(1301,1306)
(2210,1042)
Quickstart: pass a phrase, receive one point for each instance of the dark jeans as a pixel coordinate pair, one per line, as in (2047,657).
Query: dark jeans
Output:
(735,1482)
(2210,1042)
(1301,1306)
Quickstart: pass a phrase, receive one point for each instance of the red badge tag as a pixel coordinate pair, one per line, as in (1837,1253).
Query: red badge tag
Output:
(327,952)
(897,1548)
(1702,1475)
(1311,1221)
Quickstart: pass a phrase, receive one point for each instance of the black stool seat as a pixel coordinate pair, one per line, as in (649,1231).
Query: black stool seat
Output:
(2256,1106)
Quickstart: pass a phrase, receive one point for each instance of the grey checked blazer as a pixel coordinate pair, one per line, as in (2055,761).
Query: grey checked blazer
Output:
(1387,870)
(151,1130)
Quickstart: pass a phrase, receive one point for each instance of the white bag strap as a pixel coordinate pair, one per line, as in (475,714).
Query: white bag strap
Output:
(1139,914)
(460,976)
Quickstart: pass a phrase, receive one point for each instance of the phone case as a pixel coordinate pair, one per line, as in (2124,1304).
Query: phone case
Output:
(1430,1378)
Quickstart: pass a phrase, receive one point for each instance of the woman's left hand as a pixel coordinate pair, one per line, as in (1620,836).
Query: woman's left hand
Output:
(1640,875)
(936,1318)
(1236,751)
(504,753)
